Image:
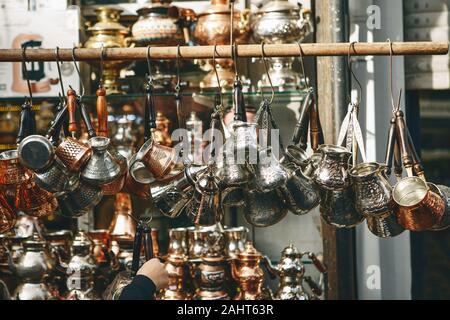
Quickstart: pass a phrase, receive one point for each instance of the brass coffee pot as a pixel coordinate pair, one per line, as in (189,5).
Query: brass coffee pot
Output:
(176,264)
(109,33)
(247,272)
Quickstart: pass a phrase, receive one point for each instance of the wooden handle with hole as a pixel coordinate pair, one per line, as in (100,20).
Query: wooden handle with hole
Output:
(71,106)
(102,113)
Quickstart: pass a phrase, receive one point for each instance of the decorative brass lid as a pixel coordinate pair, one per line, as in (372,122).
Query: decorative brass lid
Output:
(108,20)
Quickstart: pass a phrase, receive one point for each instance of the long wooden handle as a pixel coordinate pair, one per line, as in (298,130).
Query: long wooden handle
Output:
(314,126)
(402,140)
(71,105)
(102,113)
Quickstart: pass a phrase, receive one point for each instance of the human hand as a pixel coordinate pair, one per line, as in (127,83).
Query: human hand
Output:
(155,271)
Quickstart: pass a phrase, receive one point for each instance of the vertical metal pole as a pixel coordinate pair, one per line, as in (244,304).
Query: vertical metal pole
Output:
(333,90)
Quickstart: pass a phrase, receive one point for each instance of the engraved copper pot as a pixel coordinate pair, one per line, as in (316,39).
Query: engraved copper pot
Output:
(138,179)
(444,192)
(159,159)
(384,225)
(248,274)
(197,241)
(269,174)
(214,24)
(418,208)
(7,214)
(73,153)
(56,178)
(35,201)
(212,277)
(11,171)
(80,200)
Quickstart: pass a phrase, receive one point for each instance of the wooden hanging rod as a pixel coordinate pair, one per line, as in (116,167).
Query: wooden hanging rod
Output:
(224,51)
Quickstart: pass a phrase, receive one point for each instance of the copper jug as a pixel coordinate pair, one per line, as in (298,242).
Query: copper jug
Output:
(444,192)
(176,265)
(235,240)
(249,275)
(122,224)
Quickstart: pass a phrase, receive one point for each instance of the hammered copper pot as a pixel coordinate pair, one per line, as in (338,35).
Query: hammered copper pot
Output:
(7,214)
(73,153)
(444,192)
(35,201)
(418,208)
(11,171)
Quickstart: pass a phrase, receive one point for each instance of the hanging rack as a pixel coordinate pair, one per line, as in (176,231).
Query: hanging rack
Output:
(224,51)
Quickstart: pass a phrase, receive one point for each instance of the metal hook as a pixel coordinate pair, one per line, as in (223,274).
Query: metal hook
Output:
(149,75)
(391,54)
(177,86)
(25,71)
(268,75)
(217,75)
(349,66)
(62,95)
(302,64)
(78,72)
(102,56)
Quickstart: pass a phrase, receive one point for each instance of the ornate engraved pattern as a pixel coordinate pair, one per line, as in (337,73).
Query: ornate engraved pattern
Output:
(265,209)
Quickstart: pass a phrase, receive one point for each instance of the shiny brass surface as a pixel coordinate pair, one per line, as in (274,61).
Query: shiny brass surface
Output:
(122,224)
(109,33)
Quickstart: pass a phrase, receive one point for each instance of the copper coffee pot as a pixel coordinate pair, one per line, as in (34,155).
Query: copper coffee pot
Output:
(122,224)
(248,274)
(176,264)
(212,271)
